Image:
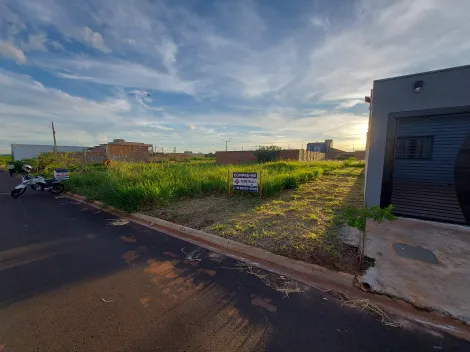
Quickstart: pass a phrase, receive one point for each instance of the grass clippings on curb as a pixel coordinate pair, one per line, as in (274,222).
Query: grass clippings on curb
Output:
(275,281)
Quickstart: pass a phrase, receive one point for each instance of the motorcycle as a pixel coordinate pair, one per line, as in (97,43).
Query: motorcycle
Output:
(39,183)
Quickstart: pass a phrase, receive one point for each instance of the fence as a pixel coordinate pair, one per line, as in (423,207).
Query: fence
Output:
(28,151)
(306,155)
(158,157)
(339,154)
(237,157)
(241,157)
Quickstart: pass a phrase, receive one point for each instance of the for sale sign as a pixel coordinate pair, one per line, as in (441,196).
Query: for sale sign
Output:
(245,181)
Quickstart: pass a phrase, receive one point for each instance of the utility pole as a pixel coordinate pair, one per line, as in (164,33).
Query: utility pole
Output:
(226,144)
(53,135)
(174,150)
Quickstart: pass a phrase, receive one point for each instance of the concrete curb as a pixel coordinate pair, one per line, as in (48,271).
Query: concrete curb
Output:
(250,253)
(309,274)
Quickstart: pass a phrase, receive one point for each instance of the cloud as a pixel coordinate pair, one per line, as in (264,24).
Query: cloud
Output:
(320,22)
(27,119)
(348,103)
(118,73)
(57,46)
(35,42)
(375,45)
(10,23)
(168,51)
(153,125)
(94,40)
(43,101)
(130,41)
(144,98)
(192,126)
(77,119)
(9,51)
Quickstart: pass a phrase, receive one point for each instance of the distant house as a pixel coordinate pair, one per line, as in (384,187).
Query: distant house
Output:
(120,150)
(333,153)
(28,151)
(419,145)
(320,147)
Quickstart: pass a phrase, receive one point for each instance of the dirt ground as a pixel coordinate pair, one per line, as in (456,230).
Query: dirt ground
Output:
(303,224)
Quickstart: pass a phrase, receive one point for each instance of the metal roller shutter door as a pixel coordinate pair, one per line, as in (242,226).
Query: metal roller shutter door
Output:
(424,171)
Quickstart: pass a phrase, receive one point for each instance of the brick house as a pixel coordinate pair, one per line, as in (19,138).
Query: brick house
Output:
(333,153)
(120,150)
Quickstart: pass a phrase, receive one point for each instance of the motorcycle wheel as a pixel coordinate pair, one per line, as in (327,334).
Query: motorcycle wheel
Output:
(17,192)
(57,189)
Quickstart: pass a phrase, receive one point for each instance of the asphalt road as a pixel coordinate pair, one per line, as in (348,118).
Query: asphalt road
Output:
(72,279)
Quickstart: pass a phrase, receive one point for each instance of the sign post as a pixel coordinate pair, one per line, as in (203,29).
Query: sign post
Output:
(228,183)
(261,184)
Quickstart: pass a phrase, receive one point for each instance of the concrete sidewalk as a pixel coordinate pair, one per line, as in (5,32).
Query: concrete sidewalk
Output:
(422,262)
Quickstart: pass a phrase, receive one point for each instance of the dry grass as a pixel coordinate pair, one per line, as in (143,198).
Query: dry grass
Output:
(277,282)
(302,224)
(366,305)
(287,286)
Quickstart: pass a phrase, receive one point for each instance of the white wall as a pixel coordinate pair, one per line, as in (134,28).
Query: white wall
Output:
(26,151)
(441,89)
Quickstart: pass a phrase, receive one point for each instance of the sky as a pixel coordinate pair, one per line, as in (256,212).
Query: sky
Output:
(194,74)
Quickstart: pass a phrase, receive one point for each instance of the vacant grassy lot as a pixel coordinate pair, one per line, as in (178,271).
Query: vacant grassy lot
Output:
(300,216)
(303,224)
(131,186)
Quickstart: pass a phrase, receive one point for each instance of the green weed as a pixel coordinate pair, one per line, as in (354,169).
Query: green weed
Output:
(311,217)
(218,227)
(130,186)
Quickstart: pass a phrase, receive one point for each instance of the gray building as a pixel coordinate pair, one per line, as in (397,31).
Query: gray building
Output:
(26,151)
(418,145)
(320,147)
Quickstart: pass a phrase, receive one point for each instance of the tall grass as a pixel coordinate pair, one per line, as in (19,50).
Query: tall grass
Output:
(130,186)
(4,159)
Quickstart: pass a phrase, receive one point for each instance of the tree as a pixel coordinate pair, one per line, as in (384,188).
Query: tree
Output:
(357,218)
(267,153)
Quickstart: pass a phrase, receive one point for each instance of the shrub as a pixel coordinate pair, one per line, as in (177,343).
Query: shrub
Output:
(353,162)
(357,218)
(47,162)
(18,165)
(4,160)
(267,153)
